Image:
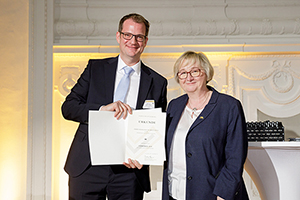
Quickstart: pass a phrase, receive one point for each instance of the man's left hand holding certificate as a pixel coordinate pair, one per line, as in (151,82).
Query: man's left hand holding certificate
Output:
(140,136)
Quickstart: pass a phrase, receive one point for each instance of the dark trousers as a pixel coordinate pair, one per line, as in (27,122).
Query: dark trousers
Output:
(171,198)
(97,182)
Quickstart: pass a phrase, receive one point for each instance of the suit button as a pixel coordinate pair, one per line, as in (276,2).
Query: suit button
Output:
(189,178)
(189,155)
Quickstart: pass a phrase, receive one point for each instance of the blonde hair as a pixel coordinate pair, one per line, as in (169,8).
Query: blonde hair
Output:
(191,58)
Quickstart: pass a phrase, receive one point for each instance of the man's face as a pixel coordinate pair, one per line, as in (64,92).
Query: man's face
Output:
(131,50)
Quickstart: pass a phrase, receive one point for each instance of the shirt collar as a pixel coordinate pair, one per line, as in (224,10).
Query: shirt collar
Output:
(136,67)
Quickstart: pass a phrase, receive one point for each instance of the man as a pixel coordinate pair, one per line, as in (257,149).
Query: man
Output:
(97,88)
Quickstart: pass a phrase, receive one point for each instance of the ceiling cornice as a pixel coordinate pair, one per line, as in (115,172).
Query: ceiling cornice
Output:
(180,22)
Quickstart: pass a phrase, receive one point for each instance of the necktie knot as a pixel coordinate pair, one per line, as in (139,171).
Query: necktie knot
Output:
(128,70)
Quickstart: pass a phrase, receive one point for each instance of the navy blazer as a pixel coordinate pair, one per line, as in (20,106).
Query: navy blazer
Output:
(95,88)
(216,148)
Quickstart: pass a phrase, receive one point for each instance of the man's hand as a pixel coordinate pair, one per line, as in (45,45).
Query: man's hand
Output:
(133,164)
(119,107)
(219,198)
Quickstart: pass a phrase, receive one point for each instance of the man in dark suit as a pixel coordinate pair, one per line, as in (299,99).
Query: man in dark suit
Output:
(96,89)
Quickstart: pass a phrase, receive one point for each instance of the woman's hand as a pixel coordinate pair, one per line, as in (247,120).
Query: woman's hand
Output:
(219,198)
(132,164)
(119,107)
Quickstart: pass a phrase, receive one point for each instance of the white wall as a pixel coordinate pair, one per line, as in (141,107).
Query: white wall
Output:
(13,98)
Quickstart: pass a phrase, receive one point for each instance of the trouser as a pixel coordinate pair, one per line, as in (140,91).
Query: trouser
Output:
(99,182)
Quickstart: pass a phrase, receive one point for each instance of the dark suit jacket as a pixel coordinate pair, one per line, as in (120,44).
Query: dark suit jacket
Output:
(95,88)
(216,149)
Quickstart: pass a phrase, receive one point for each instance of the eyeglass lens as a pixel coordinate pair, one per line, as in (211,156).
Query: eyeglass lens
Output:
(193,73)
(129,36)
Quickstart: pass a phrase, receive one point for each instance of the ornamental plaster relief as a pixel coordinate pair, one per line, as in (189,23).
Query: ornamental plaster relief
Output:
(277,76)
(68,78)
(72,28)
(91,21)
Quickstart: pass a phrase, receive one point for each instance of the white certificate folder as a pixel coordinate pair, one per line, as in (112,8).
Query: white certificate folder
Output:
(139,137)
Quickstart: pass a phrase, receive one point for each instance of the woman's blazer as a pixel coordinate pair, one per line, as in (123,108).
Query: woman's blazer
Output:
(216,149)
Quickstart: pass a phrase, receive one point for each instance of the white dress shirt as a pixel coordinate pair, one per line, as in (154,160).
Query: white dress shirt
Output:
(132,94)
(177,160)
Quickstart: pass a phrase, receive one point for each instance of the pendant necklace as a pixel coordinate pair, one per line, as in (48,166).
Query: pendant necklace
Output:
(193,112)
(195,108)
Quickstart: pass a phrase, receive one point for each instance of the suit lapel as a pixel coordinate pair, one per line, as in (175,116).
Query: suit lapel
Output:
(207,110)
(176,117)
(180,106)
(145,83)
(110,77)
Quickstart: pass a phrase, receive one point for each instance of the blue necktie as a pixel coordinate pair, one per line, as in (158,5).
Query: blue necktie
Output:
(123,86)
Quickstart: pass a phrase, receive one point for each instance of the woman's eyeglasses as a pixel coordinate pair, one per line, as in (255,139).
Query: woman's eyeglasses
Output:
(184,74)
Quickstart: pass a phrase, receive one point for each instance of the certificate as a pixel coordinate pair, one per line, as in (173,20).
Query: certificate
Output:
(139,137)
(145,137)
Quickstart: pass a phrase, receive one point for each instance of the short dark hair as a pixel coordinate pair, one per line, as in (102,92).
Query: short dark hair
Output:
(136,18)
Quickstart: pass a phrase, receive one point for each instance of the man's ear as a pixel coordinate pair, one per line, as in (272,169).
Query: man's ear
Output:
(146,41)
(118,37)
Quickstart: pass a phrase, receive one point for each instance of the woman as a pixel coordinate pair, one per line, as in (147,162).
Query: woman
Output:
(206,139)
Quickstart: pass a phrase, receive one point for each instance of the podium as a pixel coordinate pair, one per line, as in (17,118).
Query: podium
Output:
(275,169)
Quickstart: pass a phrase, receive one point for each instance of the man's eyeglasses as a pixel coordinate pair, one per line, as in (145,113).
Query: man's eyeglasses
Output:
(129,36)
(184,74)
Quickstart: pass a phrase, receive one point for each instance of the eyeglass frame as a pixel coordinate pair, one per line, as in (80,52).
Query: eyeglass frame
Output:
(190,72)
(136,36)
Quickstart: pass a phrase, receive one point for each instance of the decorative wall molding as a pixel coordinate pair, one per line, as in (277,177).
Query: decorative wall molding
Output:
(266,82)
(68,78)
(274,74)
(281,76)
(95,22)
(40,100)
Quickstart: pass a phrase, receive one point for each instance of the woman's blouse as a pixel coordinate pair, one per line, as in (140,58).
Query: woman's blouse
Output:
(177,164)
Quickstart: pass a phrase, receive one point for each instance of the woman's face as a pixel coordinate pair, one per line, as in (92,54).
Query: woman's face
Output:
(192,84)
